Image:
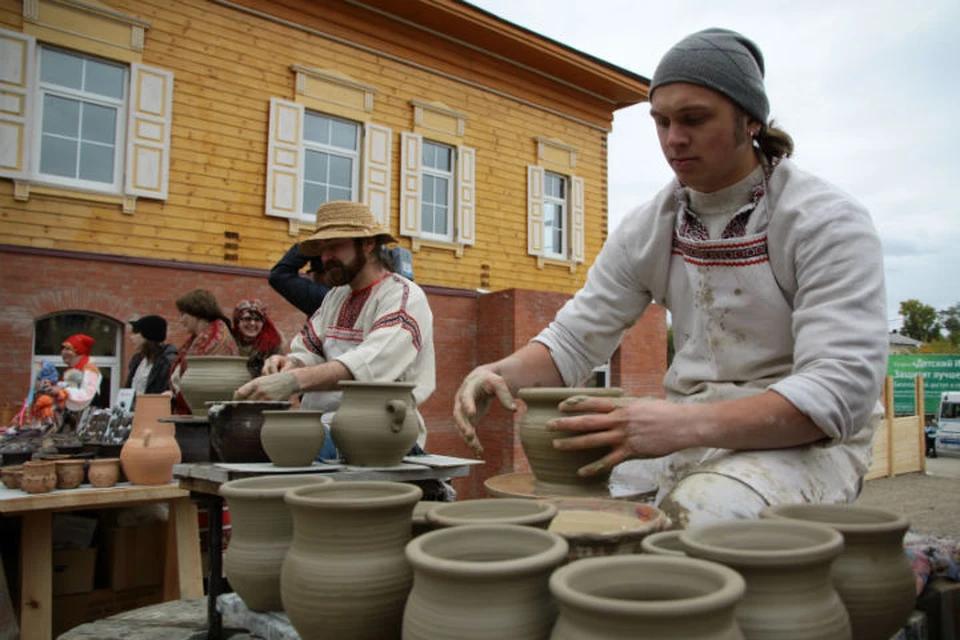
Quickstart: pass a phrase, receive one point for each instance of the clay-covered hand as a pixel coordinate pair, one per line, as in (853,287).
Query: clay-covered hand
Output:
(276,364)
(631,427)
(473,399)
(278,386)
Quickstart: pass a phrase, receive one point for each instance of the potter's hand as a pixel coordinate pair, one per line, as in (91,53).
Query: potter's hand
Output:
(630,427)
(473,399)
(276,364)
(278,386)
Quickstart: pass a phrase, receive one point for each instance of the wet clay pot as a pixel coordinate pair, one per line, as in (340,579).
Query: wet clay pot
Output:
(664,543)
(646,598)
(292,438)
(103,472)
(69,473)
(210,379)
(482,582)
(235,428)
(872,575)
(556,471)
(261,531)
(39,476)
(376,424)
(786,565)
(12,476)
(151,450)
(603,527)
(345,574)
(534,513)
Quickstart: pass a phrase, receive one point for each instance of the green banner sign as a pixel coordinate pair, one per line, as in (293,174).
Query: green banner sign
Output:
(939,373)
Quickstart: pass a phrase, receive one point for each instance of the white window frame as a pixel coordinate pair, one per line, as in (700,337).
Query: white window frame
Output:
(354,156)
(450,177)
(548,230)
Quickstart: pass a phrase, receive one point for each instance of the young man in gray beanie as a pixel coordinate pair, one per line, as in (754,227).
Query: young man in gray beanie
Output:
(774,281)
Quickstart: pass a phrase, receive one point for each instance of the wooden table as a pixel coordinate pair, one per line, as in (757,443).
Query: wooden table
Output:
(203,480)
(182,576)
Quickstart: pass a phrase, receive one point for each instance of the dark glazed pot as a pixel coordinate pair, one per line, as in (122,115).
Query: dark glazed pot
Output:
(235,428)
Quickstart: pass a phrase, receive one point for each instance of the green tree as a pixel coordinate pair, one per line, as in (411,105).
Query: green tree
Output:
(950,320)
(920,321)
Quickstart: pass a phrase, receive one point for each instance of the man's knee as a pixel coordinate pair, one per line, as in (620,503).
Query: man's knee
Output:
(701,498)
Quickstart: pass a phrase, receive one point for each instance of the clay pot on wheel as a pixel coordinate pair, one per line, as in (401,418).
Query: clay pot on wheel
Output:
(210,379)
(261,531)
(39,476)
(69,473)
(235,428)
(872,575)
(151,450)
(345,575)
(786,565)
(103,472)
(556,471)
(292,438)
(482,582)
(376,424)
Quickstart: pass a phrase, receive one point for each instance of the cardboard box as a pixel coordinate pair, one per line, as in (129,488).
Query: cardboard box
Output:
(73,571)
(71,611)
(135,555)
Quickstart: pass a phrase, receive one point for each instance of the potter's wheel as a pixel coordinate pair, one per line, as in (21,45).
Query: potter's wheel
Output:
(525,485)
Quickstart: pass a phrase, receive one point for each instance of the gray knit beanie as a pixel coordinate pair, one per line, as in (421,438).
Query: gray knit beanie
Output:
(721,60)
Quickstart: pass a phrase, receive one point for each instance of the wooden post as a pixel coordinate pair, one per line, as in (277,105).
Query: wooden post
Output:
(921,420)
(888,416)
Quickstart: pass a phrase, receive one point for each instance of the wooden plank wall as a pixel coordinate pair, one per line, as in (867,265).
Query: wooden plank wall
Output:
(227,66)
(899,446)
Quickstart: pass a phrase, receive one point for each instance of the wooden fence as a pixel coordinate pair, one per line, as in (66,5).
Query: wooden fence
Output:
(900,444)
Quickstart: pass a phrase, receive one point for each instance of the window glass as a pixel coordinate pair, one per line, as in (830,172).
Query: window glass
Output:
(554,214)
(104,79)
(96,162)
(58,156)
(332,157)
(50,332)
(57,67)
(437,190)
(99,124)
(61,116)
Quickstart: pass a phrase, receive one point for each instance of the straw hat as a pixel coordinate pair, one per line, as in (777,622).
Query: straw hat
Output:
(343,219)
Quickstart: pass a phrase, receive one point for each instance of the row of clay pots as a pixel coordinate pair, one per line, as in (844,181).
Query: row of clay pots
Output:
(42,476)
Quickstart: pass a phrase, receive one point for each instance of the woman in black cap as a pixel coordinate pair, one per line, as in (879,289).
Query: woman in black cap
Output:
(149,369)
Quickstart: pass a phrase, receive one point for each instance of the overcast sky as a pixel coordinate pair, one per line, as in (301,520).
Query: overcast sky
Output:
(868,89)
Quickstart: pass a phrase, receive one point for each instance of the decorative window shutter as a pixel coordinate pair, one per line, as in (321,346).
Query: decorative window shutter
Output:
(466,195)
(148,132)
(16,79)
(534,210)
(411,181)
(285,160)
(576,219)
(377,151)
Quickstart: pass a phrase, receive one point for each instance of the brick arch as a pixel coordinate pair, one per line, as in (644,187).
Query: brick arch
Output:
(78,298)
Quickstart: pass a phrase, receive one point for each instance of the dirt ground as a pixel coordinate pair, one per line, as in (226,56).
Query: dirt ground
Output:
(930,501)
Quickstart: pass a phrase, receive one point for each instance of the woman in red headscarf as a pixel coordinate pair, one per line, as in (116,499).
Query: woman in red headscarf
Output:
(82,378)
(256,336)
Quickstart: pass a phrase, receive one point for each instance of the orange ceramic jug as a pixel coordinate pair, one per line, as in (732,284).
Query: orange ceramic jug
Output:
(151,450)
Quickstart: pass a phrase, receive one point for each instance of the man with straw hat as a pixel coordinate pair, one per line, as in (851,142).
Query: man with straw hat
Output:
(373,326)
(774,281)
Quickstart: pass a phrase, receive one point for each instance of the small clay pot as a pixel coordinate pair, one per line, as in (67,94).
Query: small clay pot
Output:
(292,438)
(664,543)
(69,473)
(12,476)
(535,513)
(39,476)
(104,472)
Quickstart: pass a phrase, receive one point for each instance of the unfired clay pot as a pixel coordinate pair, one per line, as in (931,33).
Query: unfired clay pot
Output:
(376,424)
(872,575)
(103,472)
(261,531)
(664,543)
(786,565)
(646,598)
(345,575)
(69,473)
(211,378)
(482,582)
(534,513)
(556,471)
(151,449)
(39,476)
(292,438)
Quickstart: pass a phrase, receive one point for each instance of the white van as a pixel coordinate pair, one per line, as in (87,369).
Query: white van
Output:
(948,424)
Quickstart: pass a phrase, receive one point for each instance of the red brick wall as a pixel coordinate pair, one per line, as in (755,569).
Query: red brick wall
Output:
(468,330)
